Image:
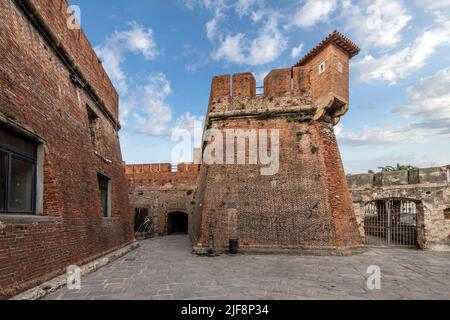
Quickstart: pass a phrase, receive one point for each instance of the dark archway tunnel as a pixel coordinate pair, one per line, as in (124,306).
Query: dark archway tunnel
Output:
(178,223)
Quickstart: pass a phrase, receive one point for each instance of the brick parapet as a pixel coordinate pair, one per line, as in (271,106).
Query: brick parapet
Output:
(161,174)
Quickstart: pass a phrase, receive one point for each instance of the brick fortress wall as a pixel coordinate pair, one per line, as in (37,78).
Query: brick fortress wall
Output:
(162,191)
(307,204)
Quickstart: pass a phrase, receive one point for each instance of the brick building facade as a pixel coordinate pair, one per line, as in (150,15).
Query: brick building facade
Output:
(63,195)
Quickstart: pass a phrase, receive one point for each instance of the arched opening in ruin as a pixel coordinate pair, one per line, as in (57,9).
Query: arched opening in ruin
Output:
(392,222)
(177,223)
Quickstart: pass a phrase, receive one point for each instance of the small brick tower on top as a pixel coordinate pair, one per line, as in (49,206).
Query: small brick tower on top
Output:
(306,205)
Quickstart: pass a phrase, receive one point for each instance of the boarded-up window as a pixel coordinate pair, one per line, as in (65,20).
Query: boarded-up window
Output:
(93,126)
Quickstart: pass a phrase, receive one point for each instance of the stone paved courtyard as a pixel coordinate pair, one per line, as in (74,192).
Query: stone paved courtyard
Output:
(164,268)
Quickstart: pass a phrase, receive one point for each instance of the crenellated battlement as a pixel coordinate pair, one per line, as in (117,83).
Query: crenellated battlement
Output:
(162,174)
(323,71)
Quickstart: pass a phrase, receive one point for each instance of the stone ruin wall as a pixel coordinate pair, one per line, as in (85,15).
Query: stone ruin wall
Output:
(431,186)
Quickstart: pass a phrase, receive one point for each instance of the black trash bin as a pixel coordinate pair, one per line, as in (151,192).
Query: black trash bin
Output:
(234,245)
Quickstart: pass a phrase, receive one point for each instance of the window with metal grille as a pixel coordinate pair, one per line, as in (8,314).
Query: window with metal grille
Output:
(18,157)
(104,184)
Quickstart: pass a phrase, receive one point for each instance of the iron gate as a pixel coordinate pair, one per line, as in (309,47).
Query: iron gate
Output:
(391,223)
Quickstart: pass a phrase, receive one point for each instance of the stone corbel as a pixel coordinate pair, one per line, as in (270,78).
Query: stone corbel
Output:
(332,107)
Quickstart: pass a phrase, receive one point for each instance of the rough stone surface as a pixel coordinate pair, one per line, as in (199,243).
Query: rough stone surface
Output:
(53,285)
(430,187)
(164,268)
(36,90)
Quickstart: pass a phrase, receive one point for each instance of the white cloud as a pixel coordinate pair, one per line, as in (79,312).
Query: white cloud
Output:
(246,7)
(312,12)
(266,47)
(212,25)
(187,122)
(297,51)
(376,135)
(197,58)
(375,23)
(188,134)
(428,112)
(429,100)
(433,4)
(189,4)
(145,110)
(193,124)
(112,51)
(218,7)
(399,65)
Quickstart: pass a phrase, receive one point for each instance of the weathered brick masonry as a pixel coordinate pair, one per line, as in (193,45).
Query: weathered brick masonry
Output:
(162,191)
(306,205)
(54,87)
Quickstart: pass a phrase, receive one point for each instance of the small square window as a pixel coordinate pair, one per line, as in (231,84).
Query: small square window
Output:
(340,67)
(322,68)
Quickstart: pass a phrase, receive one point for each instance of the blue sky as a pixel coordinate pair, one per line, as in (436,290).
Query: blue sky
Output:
(161,56)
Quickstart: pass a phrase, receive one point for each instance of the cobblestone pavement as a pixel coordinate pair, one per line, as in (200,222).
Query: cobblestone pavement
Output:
(164,268)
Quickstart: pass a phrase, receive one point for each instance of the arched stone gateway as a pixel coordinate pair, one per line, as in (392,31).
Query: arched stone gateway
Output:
(177,223)
(404,199)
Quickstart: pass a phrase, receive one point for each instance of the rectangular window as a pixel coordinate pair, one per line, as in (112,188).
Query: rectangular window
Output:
(104,184)
(322,67)
(17,173)
(21,191)
(3,179)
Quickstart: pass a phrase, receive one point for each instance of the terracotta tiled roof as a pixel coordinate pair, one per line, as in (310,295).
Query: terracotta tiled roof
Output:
(338,39)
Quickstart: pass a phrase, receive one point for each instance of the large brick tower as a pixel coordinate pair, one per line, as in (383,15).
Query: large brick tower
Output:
(306,205)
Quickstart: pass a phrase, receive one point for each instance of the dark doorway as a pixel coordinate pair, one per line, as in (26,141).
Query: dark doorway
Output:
(178,223)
